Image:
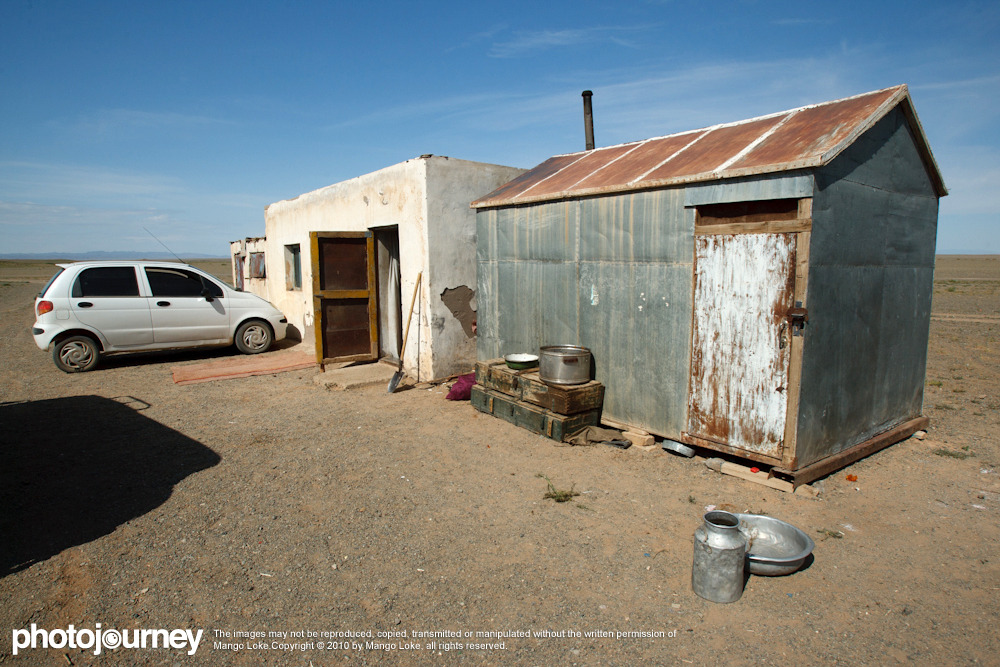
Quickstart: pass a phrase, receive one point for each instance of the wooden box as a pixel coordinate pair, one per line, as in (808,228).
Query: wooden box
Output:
(531,417)
(527,386)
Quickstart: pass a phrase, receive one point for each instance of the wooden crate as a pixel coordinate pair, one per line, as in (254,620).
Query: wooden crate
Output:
(531,417)
(527,386)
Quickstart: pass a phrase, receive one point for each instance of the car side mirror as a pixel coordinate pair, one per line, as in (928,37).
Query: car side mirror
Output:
(205,292)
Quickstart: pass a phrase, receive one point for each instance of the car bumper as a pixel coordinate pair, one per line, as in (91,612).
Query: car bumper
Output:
(43,334)
(280,327)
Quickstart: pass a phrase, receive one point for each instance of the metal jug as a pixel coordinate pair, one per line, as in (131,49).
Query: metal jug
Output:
(720,550)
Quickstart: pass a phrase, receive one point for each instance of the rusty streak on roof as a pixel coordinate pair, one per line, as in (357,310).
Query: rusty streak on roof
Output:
(800,138)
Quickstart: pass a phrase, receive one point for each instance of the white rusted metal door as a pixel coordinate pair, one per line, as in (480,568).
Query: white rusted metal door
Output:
(744,287)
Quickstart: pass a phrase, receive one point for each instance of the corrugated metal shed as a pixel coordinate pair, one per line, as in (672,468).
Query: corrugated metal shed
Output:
(810,136)
(760,288)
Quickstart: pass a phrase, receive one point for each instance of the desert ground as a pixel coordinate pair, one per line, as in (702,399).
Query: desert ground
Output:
(288,522)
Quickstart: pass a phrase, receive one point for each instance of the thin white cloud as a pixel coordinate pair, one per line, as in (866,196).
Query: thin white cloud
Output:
(524,44)
(114,120)
(801,22)
(434,107)
(60,183)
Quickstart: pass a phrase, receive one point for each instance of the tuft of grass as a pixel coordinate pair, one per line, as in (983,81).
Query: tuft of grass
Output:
(935,383)
(836,534)
(950,453)
(558,495)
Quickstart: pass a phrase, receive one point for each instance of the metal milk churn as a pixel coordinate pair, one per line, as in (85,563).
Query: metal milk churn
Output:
(719,558)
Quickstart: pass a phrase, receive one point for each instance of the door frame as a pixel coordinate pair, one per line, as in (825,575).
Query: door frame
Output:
(801,226)
(319,295)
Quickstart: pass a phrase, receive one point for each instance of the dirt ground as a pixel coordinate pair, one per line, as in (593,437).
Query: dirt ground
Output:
(252,508)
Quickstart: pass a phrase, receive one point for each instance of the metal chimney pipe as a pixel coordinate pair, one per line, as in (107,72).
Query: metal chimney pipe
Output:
(588,119)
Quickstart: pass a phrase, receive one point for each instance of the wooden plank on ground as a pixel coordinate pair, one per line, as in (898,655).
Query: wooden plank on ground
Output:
(759,477)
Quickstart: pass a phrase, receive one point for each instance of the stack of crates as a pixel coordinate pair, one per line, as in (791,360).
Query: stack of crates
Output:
(521,398)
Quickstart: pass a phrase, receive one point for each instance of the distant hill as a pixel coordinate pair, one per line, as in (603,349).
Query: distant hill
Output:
(103,254)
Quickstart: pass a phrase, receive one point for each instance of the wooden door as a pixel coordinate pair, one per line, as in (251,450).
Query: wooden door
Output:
(740,347)
(344,296)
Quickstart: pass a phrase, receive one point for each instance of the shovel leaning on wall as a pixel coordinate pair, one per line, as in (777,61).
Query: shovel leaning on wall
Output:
(398,375)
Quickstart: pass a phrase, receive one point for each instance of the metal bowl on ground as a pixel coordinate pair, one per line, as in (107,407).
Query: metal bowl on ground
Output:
(520,362)
(678,448)
(774,547)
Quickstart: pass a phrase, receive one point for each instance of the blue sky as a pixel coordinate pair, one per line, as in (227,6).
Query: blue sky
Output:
(188,118)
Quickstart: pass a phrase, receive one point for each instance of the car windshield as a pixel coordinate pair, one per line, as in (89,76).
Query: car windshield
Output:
(51,280)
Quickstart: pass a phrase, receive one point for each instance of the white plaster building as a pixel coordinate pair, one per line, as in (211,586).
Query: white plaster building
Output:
(348,256)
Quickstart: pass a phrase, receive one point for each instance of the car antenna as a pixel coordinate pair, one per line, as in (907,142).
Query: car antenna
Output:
(165,246)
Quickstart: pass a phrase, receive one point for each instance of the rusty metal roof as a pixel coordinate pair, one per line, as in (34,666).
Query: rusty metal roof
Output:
(806,137)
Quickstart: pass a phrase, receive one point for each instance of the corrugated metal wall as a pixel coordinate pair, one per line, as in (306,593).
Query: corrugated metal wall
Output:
(614,274)
(870,284)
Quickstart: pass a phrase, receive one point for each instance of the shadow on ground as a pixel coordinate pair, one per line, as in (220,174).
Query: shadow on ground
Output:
(73,469)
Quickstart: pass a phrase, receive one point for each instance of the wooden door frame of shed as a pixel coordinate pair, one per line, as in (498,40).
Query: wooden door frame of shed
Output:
(801,226)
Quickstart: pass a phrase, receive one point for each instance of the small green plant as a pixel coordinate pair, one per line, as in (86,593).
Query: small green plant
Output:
(934,383)
(560,496)
(836,534)
(950,453)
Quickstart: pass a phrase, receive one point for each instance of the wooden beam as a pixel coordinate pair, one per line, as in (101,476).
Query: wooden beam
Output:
(842,459)
(763,227)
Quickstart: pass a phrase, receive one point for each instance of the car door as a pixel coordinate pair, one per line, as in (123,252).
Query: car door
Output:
(186,307)
(107,299)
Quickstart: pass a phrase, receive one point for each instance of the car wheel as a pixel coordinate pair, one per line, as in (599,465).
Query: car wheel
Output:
(253,337)
(76,354)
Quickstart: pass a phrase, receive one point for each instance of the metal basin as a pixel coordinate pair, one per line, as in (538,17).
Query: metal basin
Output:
(774,547)
(520,362)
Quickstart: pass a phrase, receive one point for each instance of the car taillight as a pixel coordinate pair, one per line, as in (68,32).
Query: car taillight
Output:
(45,307)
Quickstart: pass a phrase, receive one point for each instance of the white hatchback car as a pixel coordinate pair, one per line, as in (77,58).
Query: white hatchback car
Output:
(94,308)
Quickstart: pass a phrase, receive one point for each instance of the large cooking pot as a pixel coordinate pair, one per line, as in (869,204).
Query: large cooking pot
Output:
(564,364)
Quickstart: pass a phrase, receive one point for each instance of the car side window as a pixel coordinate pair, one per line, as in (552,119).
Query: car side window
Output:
(179,282)
(106,281)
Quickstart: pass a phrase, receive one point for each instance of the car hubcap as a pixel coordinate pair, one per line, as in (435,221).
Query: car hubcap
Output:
(76,355)
(255,337)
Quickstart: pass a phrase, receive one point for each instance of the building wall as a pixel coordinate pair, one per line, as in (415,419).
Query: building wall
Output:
(428,200)
(613,274)
(451,275)
(390,196)
(871,279)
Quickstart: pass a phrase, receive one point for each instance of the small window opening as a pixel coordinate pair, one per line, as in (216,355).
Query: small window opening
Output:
(293,267)
(748,211)
(257,265)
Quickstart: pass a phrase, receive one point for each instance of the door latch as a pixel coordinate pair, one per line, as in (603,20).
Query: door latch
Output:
(798,316)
